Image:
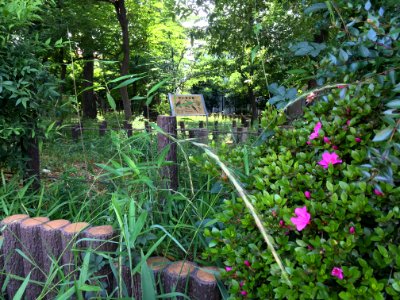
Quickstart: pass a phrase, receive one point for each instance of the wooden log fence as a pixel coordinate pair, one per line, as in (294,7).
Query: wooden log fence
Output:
(200,134)
(44,242)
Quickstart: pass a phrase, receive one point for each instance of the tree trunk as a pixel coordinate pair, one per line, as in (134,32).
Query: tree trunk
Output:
(30,151)
(89,101)
(123,21)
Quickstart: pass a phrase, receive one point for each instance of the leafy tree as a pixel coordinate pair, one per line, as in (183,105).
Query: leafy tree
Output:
(27,90)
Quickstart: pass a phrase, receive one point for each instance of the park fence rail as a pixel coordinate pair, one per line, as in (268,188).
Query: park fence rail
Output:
(31,247)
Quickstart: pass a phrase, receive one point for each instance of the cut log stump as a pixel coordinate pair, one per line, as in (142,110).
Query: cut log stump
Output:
(2,270)
(101,239)
(157,264)
(70,234)
(50,234)
(132,283)
(204,284)
(176,277)
(12,260)
(30,239)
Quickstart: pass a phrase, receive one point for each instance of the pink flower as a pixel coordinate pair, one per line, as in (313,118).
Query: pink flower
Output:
(243,293)
(378,192)
(334,147)
(311,97)
(309,247)
(352,230)
(327,140)
(228,269)
(348,122)
(308,142)
(241,283)
(329,158)
(342,86)
(358,140)
(247,263)
(281,223)
(337,272)
(315,135)
(303,218)
(307,194)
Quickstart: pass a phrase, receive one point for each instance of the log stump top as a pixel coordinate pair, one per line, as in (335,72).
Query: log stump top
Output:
(100,230)
(181,268)
(207,274)
(55,225)
(13,218)
(31,222)
(157,262)
(75,227)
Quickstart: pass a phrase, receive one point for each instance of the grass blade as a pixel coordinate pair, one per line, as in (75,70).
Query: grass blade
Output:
(22,288)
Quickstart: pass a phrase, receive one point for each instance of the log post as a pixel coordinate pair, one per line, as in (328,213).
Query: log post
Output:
(147,126)
(2,270)
(239,134)
(182,127)
(234,131)
(201,124)
(215,133)
(128,128)
(12,260)
(169,174)
(176,277)
(244,135)
(199,134)
(69,235)
(157,264)
(30,239)
(101,239)
(103,128)
(50,234)
(77,131)
(132,283)
(204,284)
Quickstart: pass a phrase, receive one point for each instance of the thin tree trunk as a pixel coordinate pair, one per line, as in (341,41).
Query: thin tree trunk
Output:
(123,21)
(89,101)
(30,151)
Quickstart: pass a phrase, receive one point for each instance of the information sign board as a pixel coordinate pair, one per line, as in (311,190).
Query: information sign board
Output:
(187,105)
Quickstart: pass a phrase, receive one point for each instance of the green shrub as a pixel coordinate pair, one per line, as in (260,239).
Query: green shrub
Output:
(354,223)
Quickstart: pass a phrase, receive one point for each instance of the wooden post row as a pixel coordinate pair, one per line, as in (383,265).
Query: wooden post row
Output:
(46,242)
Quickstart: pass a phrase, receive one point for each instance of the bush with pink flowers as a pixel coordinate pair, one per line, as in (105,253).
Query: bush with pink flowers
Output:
(327,185)
(337,233)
